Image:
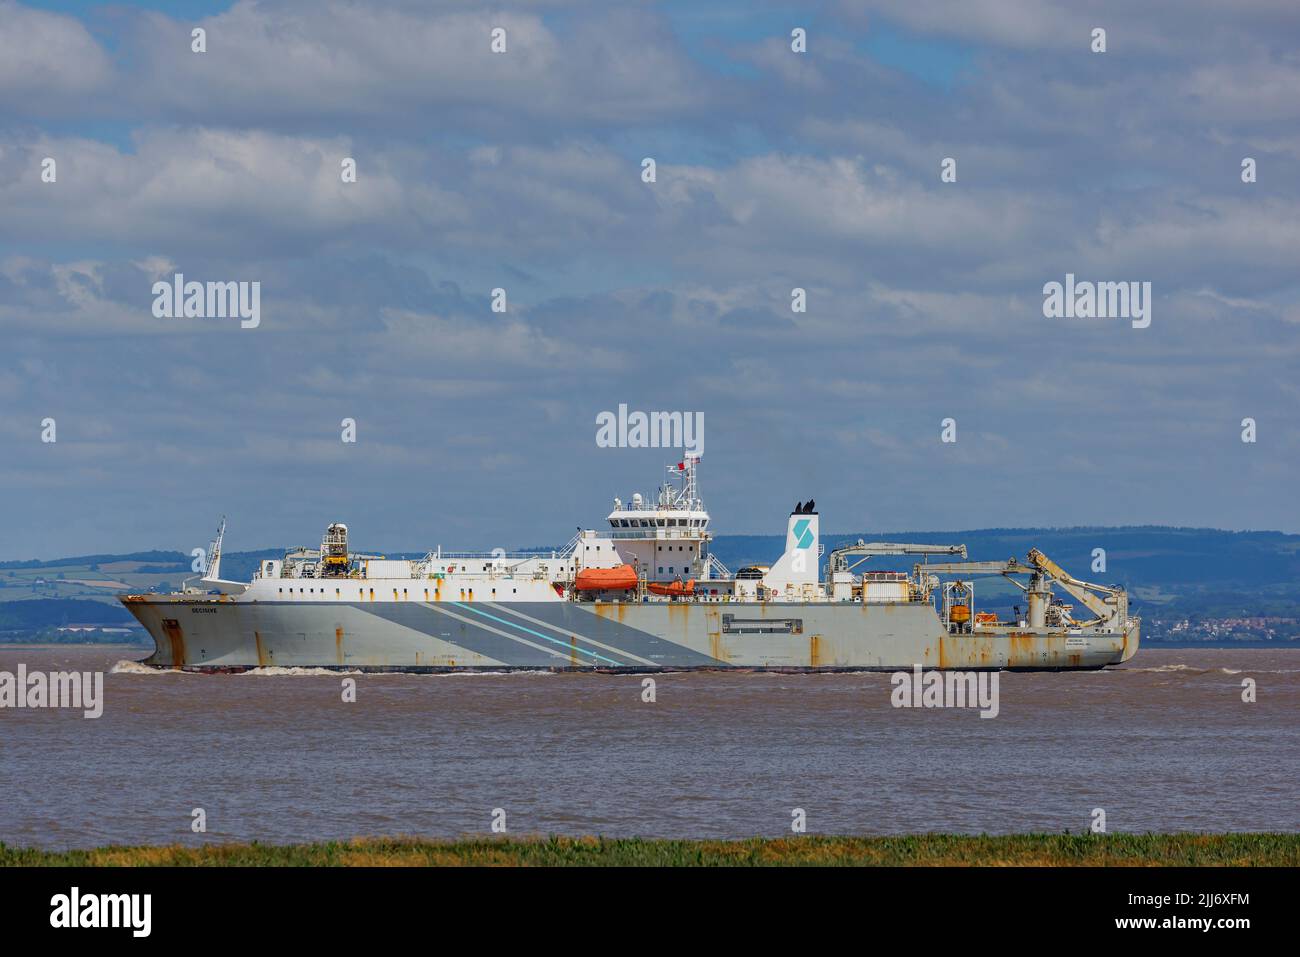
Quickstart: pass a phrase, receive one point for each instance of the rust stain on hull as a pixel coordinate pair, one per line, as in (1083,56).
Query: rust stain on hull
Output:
(815,650)
(261,652)
(338,644)
(606,609)
(176,639)
(1020,650)
(1017,649)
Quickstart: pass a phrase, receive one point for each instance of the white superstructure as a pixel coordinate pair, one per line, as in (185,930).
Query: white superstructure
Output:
(665,541)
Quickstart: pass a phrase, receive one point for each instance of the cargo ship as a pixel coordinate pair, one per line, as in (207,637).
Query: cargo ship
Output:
(642,593)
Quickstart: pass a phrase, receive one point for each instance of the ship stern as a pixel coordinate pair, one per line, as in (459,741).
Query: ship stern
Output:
(1132,638)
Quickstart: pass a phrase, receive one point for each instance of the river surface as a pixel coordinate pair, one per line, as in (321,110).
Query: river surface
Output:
(1164,743)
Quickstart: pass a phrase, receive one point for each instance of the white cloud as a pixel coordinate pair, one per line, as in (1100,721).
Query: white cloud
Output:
(46,60)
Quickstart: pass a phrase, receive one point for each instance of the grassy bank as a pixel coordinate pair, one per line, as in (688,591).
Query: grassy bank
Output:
(1197,850)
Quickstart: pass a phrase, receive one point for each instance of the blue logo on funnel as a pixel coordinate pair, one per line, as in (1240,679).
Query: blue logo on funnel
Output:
(803,534)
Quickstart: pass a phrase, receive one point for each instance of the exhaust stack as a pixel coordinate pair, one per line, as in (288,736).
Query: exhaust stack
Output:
(799,565)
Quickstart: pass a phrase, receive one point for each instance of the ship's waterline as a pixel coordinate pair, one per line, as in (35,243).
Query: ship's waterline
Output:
(643,595)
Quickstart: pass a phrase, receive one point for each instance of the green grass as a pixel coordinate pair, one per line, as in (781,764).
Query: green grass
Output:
(1054,850)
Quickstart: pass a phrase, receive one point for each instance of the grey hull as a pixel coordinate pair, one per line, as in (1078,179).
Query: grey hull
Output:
(219,633)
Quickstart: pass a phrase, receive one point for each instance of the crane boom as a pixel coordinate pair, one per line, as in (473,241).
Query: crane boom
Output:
(1010,567)
(1085,592)
(840,556)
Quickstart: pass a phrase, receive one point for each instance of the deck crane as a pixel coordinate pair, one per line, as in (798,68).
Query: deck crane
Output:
(1109,604)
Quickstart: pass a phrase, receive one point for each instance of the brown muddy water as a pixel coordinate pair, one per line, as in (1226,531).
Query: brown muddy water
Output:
(1164,743)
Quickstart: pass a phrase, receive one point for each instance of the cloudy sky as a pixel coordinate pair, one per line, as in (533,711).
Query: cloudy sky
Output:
(523,171)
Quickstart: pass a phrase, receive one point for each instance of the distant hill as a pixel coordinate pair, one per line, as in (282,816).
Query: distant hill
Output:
(1140,555)
(1135,556)
(165,558)
(1194,584)
(1185,582)
(56,612)
(68,621)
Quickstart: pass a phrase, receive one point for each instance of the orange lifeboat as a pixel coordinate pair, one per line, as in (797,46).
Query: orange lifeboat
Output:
(605,579)
(675,588)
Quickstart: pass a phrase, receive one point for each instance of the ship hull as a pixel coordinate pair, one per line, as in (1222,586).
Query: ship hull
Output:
(218,633)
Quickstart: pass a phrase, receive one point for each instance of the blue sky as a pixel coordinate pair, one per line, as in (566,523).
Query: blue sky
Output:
(522,170)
